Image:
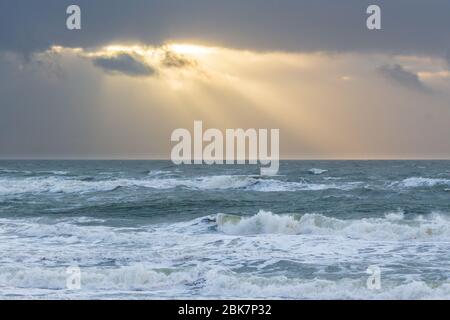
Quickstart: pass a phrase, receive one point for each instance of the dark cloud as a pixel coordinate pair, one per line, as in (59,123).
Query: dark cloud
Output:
(447,58)
(404,77)
(408,26)
(124,63)
(174,60)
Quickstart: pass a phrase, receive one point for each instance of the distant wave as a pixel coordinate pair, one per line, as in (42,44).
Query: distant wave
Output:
(417,182)
(29,172)
(317,171)
(61,184)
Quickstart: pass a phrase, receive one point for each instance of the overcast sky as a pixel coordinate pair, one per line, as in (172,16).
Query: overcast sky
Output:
(120,86)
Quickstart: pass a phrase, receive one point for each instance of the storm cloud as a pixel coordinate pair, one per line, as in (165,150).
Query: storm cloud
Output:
(173,60)
(408,26)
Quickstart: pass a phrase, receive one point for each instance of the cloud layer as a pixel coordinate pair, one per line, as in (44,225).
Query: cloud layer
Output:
(409,26)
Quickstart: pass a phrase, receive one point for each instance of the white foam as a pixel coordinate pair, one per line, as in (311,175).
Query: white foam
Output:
(142,280)
(395,216)
(288,186)
(134,277)
(231,286)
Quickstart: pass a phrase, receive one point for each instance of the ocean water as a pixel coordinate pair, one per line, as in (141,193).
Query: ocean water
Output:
(150,229)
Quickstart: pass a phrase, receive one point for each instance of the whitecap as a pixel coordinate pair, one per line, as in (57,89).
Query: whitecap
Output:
(317,171)
(417,182)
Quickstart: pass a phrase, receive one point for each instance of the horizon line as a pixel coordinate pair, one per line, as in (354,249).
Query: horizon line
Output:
(167,159)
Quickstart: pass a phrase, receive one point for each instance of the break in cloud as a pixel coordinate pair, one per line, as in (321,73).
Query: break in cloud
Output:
(124,63)
(127,61)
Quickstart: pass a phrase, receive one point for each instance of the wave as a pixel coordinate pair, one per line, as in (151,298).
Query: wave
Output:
(417,182)
(145,280)
(155,173)
(8,171)
(136,277)
(391,227)
(203,282)
(280,186)
(29,172)
(61,184)
(232,285)
(13,186)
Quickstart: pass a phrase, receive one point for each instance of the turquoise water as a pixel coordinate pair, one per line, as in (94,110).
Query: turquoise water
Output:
(150,229)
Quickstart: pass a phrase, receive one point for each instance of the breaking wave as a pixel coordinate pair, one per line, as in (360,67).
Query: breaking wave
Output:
(207,283)
(391,227)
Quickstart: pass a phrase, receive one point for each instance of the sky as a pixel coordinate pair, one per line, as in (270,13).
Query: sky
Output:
(137,70)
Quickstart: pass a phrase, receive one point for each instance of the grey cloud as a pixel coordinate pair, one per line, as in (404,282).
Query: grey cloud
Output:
(404,77)
(125,64)
(409,26)
(447,58)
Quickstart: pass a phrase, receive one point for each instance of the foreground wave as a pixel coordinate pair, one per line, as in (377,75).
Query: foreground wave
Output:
(228,256)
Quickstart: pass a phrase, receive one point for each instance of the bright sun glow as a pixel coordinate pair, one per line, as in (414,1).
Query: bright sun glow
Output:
(190,49)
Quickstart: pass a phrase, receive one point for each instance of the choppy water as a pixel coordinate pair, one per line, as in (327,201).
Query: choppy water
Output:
(149,229)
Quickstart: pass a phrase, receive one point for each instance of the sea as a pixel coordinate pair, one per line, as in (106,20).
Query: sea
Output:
(155,230)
